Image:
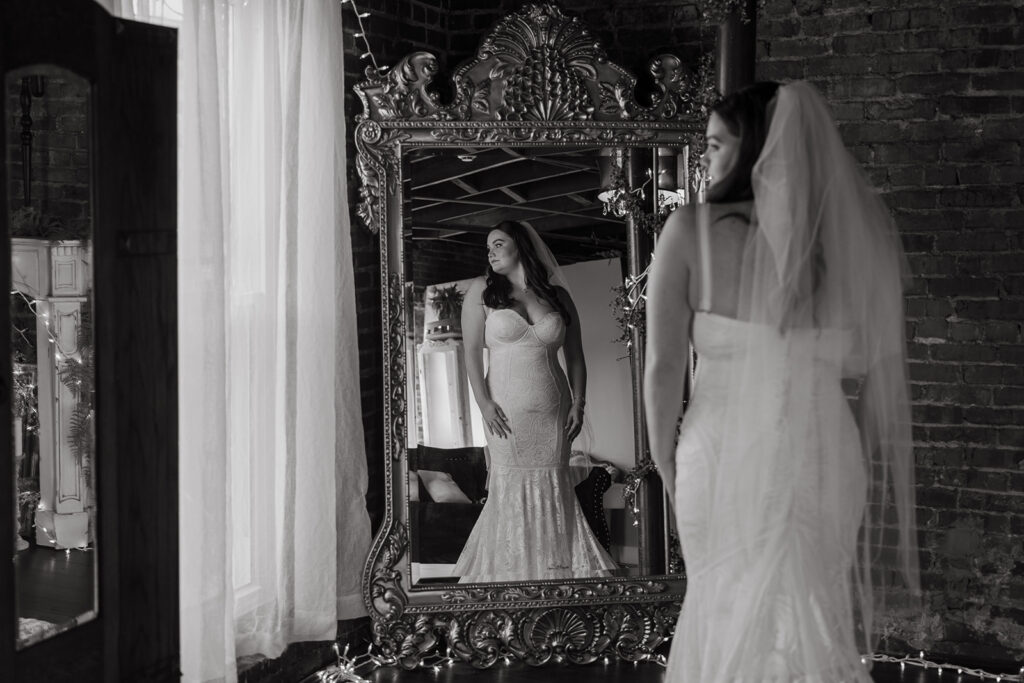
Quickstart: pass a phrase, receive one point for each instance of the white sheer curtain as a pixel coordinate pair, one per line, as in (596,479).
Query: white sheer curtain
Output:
(273,525)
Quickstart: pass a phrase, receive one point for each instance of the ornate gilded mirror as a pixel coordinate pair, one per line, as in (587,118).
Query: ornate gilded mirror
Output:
(542,132)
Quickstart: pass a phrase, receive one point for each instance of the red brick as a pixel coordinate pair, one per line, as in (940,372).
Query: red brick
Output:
(994,374)
(963,352)
(992,416)
(974,105)
(994,458)
(901,109)
(984,15)
(999,331)
(963,287)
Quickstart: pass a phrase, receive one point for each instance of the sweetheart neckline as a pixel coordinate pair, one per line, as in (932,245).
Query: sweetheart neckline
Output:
(523,317)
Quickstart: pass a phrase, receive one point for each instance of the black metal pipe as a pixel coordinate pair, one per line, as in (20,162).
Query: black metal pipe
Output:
(737,49)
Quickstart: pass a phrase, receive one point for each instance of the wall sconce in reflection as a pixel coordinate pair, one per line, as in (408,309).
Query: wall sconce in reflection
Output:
(614,195)
(31,86)
(672,183)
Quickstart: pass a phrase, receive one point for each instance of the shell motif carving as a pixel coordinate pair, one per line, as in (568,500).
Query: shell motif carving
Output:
(544,88)
(545,58)
(560,630)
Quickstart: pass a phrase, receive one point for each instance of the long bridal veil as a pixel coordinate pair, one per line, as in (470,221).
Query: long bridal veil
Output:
(815,490)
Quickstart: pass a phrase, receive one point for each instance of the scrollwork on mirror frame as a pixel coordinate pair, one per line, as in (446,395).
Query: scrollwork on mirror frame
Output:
(538,65)
(553,592)
(576,634)
(539,78)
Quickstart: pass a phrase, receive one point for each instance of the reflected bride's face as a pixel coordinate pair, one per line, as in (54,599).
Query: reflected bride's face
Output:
(722,150)
(502,253)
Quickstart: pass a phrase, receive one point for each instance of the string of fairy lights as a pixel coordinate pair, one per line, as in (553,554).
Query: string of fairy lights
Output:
(60,354)
(353,669)
(361,33)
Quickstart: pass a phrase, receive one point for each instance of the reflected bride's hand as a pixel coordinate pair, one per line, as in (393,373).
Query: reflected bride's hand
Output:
(494,418)
(574,422)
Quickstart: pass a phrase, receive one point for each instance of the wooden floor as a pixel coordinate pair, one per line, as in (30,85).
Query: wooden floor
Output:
(54,585)
(615,672)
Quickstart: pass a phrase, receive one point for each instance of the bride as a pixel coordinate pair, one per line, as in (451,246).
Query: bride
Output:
(787,283)
(531,526)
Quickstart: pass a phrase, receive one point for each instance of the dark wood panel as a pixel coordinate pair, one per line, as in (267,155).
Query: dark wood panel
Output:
(136,273)
(132,69)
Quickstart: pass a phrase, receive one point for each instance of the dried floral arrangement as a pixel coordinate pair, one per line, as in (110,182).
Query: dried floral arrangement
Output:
(717,11)
(447,302)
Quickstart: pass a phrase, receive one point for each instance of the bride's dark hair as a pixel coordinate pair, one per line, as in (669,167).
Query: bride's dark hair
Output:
(745,113)
(498,292)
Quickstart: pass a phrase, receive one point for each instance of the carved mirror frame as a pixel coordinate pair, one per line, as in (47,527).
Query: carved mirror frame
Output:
(539,78)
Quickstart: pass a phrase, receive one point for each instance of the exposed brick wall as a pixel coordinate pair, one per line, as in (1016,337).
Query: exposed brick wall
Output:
(394,29)
(929,97)
(60,151)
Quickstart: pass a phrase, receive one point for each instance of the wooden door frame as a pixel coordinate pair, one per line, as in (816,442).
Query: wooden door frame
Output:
(132,70)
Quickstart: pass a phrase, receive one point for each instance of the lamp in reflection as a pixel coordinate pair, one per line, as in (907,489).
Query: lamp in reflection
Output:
(672,168)
(670,184)
(616,197)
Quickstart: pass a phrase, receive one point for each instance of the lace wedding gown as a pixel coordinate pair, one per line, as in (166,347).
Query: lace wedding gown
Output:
(779,607)
(531,526)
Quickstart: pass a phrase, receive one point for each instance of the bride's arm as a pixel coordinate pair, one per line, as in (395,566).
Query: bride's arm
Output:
(575,365)
(473,339)
(668,326)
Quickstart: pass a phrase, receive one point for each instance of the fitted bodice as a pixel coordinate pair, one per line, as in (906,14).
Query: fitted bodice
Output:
(720,341)
(506,327)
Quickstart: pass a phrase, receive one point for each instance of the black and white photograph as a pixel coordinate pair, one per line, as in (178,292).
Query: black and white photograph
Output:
(522,341)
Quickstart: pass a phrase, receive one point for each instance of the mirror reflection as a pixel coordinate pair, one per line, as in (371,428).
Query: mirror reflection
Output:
(47,114)
(521,403)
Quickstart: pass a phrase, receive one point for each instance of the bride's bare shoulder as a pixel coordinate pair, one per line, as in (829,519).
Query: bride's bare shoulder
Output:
(681,224)
(678,237)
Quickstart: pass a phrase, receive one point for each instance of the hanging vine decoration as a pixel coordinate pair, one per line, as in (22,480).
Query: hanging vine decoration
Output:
(629,304)
(717,11)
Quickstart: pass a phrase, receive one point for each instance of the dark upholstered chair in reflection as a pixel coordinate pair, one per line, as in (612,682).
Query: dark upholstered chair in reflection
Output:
(450,489)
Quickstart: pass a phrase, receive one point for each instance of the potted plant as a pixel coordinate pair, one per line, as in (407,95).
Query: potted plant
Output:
(447,304)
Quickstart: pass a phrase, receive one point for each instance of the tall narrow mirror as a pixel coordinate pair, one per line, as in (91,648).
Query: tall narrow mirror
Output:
(49,196)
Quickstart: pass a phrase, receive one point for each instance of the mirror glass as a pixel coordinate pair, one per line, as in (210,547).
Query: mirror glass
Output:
(531,505)
(49,196)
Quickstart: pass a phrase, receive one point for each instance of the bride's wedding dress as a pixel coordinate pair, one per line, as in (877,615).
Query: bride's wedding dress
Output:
(531,526)
(780,607)
(790,509)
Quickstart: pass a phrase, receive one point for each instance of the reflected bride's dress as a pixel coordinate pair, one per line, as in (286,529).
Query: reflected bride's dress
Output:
(531,526)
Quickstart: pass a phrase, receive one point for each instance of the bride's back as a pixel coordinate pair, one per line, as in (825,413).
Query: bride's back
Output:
(728,229)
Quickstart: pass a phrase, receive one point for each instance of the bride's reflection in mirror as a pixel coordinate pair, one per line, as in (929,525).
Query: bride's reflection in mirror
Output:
(520,423)
(532,525)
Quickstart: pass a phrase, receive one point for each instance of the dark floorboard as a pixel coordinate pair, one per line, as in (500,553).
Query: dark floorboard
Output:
(615,672)
(54,585)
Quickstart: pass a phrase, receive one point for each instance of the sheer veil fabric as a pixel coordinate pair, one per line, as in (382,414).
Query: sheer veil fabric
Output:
(808,511)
